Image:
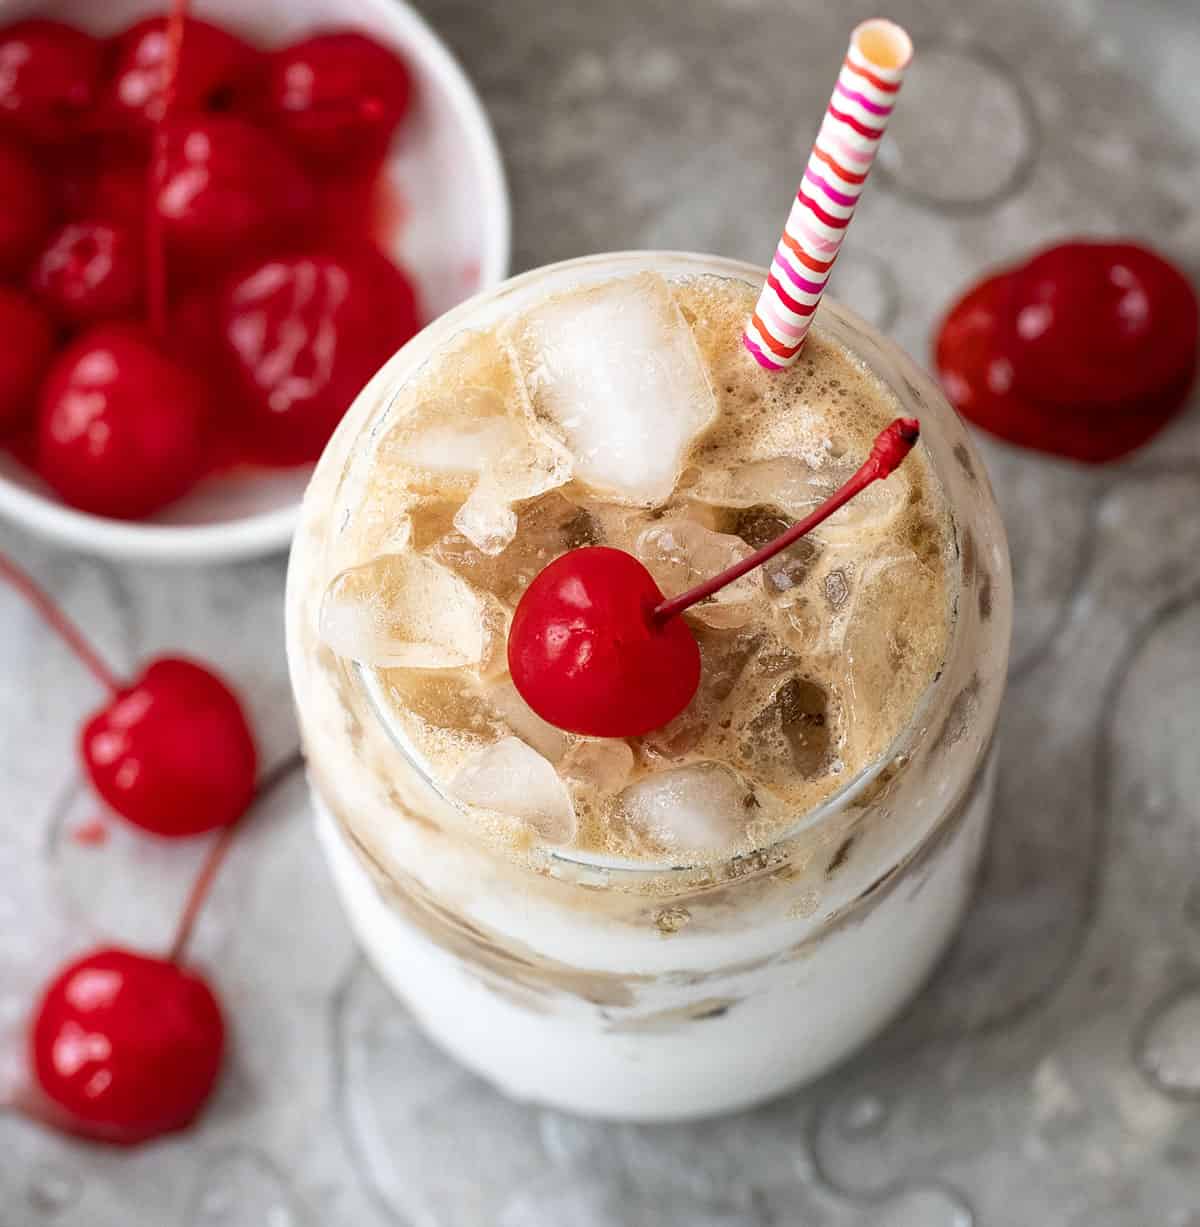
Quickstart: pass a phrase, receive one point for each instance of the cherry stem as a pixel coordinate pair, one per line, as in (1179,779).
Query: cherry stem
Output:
(58,621)
(891,445)
(217,854)
(156,250)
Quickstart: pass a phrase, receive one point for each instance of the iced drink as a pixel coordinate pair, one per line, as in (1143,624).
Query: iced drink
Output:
(691,920)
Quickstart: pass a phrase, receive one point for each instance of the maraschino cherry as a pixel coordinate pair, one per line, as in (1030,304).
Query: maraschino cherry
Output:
(104,186)
(26,345)
(24,210)
(127,1047)
(303,333)
(226,185)
(587,653)
(150,751)
(90,270)
(209,76)
(171,751)
(49,79)
(121,426)
(337,98)
(1086,351)
(594,646)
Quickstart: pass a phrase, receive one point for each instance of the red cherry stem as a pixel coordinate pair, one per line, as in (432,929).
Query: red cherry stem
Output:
(156,248)
(891,445)
(58,621)
(217,854)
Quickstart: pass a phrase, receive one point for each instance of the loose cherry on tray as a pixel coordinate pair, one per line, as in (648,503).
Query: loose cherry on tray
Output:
(127,1047)
(303,334)
(121,427)
(226,185)
(152,750)
(337,97)
(26,344)
(1086,351)
(49,79)
(595,648)
(24,210)
(214,65)
(90,270)
(1098,324)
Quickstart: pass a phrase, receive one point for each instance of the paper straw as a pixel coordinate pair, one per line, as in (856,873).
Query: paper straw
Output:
(841,159)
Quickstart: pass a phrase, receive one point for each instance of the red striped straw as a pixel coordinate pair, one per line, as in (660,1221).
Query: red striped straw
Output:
(838,166)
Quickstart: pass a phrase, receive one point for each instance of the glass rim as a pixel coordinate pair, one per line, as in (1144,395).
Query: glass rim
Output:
(558,861)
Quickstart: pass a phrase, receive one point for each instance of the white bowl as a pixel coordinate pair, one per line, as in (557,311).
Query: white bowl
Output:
(453,238)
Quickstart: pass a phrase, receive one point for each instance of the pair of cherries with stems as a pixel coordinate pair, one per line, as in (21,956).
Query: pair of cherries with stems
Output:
(128,1046)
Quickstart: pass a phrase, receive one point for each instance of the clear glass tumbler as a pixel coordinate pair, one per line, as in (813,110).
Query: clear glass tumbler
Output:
(656,992)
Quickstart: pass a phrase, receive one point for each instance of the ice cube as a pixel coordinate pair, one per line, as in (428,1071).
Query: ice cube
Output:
(486,519)
(512,779)
(527,469)
(799,711)
(724,655)
(703,807)
(784,482)
(441,699)
(405,611)
(759,525)
(547,740)
(791,485)
(682,553)
(603,765)
(444,443)
(615,373)
(784,575)
(459,444)
(872,513)
(546,527)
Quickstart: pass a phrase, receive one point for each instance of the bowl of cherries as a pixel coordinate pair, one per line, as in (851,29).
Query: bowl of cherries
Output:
(217,220)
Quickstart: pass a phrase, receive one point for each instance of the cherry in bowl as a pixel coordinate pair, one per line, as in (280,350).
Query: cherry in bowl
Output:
(121,427)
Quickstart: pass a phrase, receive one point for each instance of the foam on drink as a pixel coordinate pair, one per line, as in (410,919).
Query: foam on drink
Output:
(629,415)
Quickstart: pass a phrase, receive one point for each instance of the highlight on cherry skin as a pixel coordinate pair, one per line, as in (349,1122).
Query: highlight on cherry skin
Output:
(594,646)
